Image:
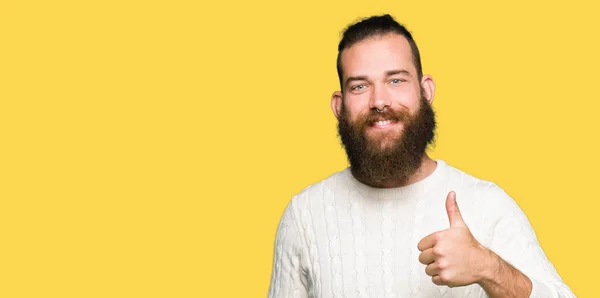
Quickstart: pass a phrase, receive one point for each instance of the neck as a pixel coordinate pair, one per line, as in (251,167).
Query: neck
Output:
(425,169)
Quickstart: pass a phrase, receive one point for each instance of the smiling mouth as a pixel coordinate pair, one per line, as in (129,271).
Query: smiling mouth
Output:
(383,124)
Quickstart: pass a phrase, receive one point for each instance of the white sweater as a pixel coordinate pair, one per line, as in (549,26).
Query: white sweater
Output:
(342,238)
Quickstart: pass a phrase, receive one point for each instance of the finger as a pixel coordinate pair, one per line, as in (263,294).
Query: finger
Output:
(427,257)
(454,215)
(428,242)
(432,269)
(437,280)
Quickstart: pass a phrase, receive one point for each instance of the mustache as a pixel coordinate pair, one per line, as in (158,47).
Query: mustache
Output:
(388,114)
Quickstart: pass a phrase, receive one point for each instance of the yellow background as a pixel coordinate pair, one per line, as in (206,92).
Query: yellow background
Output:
(148,148)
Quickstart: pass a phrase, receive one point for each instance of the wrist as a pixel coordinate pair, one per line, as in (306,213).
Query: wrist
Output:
(492,266)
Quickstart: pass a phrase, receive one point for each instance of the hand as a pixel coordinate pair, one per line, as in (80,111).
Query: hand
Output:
(453,256)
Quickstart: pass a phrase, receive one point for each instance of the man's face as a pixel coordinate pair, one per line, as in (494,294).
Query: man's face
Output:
(378,74)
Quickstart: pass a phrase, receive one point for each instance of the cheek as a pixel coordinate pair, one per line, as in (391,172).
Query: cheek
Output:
(355,107)
(407,98)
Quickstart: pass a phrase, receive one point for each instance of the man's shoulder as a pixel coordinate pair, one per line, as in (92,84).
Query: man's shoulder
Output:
(329,183)
(470,182)
(324,188)
(473,187)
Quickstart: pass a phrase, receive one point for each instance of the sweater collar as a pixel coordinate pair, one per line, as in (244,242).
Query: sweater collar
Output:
(415,189)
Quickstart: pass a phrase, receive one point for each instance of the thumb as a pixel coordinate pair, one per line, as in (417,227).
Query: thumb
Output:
(454,215)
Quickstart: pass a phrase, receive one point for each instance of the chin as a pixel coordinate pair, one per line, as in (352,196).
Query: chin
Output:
(384,143)
(384,137)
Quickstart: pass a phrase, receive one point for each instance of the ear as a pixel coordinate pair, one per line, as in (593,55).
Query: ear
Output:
(336,103)
(428,86)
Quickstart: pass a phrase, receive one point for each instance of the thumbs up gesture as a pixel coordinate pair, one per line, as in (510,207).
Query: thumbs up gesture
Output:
(453,257)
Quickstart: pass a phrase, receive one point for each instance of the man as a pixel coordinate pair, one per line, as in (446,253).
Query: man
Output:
(390,225)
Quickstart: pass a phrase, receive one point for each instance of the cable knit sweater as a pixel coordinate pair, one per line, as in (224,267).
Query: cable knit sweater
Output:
(342,238)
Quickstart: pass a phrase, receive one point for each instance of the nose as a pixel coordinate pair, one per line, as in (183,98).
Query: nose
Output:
(380,100)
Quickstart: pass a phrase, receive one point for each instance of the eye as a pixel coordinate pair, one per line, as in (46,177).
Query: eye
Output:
(358,87)
(395,81)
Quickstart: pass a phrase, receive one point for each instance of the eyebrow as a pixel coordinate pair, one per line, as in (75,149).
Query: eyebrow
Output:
(387,74)
(397,71)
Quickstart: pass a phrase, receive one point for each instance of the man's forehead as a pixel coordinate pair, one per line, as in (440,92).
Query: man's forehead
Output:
(377,55)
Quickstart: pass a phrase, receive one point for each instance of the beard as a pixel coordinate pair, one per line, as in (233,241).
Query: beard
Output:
(382,157)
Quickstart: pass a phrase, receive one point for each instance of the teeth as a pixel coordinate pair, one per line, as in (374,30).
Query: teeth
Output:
(386,122)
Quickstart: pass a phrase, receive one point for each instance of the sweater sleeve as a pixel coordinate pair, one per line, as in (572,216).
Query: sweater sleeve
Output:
(288,279)
(514,240)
